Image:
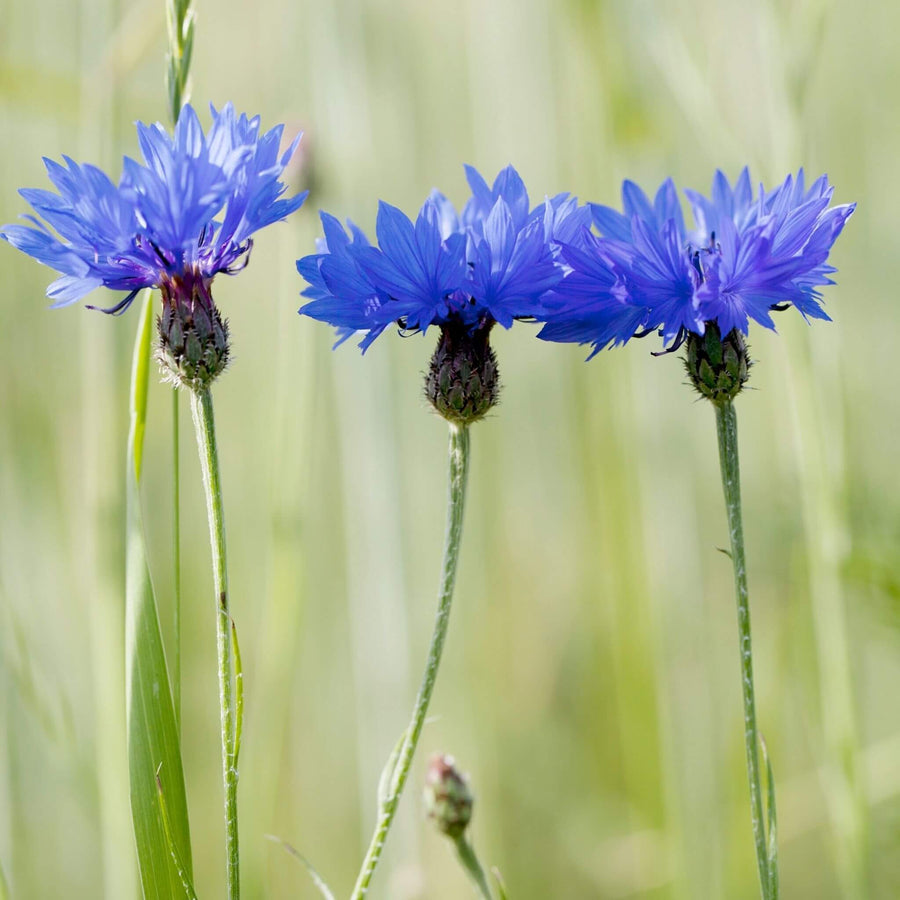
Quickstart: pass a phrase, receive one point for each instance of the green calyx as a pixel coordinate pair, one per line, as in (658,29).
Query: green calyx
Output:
(193,347)
(718,367)
(463,383)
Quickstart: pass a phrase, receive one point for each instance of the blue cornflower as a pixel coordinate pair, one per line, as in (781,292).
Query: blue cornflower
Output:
(184,214)
(493,263)
(747,256)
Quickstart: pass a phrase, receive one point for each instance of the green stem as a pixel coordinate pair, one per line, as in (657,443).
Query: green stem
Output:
(456,494)
(180,20)
(176,561)
(180,24)
(726,426)
(202,409)
(471,864)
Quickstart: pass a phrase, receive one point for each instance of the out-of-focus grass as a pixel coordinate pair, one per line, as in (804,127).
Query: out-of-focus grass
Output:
(591,676)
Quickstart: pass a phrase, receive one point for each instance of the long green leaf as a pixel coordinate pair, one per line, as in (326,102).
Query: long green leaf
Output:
(153,744)
(170,840)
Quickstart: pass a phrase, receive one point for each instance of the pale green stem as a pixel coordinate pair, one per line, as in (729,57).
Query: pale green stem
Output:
(180,24)
(181,36)
(456,494)
(202,409)
(726,425)
(176,561)
(472,865)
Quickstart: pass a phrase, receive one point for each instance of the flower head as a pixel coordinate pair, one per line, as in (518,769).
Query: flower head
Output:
(494,262)
(746,257)
(187,210)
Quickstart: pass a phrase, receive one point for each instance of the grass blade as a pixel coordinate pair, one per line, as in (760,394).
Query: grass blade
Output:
(173,850)
(153,743)
(501,884)
(317,879)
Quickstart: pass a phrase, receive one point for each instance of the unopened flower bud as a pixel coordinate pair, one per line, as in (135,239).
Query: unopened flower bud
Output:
(718,367)
(193,337)
(463,382)
(448,798)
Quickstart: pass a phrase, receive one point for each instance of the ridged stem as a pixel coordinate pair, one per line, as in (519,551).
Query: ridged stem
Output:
(180,25)
(180,20)
(176,561)
(456,494)
(470,862)
(204,423)
(726,426)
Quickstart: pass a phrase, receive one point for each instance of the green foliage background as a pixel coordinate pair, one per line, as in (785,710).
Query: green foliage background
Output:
(591,681)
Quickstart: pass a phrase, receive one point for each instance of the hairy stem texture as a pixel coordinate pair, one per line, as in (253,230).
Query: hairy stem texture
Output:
(726,424)
(459,465)
(204,423)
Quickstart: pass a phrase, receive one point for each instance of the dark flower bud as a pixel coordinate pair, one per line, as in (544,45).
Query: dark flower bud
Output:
(718,367)
(463,382)
(193,337)
(448,799)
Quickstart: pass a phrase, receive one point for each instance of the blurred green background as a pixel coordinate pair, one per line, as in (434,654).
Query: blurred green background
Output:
(591,681)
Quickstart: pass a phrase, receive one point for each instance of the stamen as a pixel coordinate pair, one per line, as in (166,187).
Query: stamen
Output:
(645,333)
(120,307)
(243,258)
(680,338)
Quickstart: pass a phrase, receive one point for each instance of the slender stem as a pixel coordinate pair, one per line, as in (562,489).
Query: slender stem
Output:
(726,426)
(456,494)
(180,22)
(202,409)
(470,862)
(176,561)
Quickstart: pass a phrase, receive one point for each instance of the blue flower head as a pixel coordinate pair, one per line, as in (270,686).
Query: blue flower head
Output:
(748,255)
(187,210)
(494,263)
(176,219)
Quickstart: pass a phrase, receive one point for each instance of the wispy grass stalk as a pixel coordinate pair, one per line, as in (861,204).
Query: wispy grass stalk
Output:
(397,770)
(821,475)
(99,539)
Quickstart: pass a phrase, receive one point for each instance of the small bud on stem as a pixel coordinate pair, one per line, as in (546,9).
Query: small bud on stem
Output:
(448,798)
